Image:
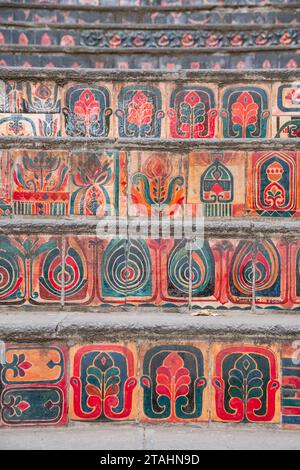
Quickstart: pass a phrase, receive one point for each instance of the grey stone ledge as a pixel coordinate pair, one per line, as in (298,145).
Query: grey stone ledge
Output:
(147,436)
(224,76)
(87,50)
(254,229)
(80,144)
(117,8)
(73,327)
(152,26)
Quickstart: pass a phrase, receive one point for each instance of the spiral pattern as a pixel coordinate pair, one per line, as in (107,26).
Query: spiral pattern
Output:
(127,268)
(200,274)
(75,273)
(51,278)
(203,271)
(178,267)
(10,279)
(242,268)
(267,266)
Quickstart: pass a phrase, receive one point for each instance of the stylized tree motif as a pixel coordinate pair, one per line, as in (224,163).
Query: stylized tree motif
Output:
(192,115)
(91,197)
(103,377)
(245,113)
(192,111)
(245,380)
(87,112)
(43,173)
(155,189)
(106,390)
(172,380)
(140,110)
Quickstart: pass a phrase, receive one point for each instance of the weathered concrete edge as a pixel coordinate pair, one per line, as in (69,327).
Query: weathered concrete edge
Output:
(76,327)
(89,75)
(254,229)
(80,144)
(143,8)
(90,51)
(124,435)
(157,27)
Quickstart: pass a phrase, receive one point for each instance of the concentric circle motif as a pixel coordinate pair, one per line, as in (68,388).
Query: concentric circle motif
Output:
(199,270)
(10,279)
(127,268)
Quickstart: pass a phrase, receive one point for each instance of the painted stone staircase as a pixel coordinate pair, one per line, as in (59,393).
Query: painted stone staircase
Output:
(149,204)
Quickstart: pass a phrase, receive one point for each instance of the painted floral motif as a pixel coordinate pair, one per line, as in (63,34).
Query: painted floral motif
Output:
(190,271)
(92,177)
(245,112)
(289,129)
(34,385)
(5,184)
(217,188)
(288,98)
(173,383)
(290,397)
(21,125)
(42,97)
(155,190)
(103,382)
(10,96)
(40,183)
(32,364)
(87,112)
(36,406)
(274,183)
(192,113)
(139,112)
(246,384)
(177,39)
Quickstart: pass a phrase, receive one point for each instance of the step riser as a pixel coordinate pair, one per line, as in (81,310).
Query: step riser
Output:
(210,59)
(189,190)
(159,17)
(48,109)
(115,37)
(228,16)
(50,271)
(197,381)
(162,4)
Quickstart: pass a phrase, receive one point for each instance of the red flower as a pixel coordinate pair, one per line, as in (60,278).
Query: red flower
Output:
(237,40)
(140,110)
(67,40)
(212,40)
(261,39)
(187,40)
(115,40)
(163,41)
(285,39)
(138,41)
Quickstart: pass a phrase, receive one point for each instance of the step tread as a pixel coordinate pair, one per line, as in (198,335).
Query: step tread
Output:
(25,325)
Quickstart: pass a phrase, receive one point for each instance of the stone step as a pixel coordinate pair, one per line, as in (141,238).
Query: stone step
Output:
(52,217)
(96,272)
(149,104)
(149,437)
(54,365)
(148,37)
(208,4)
(163,59)
(280,14)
